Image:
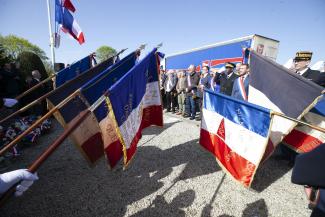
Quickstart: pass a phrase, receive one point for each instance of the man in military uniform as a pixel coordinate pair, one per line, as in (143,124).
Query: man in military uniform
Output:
(227,79)
(301,63)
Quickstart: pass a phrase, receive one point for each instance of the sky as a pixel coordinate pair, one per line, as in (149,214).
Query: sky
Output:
(179,24)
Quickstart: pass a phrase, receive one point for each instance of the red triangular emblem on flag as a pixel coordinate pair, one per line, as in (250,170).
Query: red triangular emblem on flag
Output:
(221,130)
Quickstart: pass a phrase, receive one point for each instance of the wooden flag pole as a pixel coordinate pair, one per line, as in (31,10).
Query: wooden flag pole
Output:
(298,121)
(50,150)
(39,121)
(25,108)
(35,87)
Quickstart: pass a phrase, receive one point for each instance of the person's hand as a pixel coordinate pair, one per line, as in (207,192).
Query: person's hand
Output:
(7,180)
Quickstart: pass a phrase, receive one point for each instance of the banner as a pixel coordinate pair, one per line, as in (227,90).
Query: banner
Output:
(274,87)
(302,138)
(136,104)
(73,71)
(103,132)
(236,133)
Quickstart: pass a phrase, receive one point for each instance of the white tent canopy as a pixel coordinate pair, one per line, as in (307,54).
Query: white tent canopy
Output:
(320,66)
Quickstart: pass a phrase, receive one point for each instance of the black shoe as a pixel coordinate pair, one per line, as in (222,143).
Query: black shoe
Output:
(197,119)
(185,116)
(173,112)
(191,118)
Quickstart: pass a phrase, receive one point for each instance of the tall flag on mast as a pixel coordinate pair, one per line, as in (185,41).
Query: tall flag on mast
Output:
(66,21)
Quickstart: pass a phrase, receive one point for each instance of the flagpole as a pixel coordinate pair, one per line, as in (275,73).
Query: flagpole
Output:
(51,34)
(320,129)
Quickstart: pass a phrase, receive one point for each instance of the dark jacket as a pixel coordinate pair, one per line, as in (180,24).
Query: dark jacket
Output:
(226,84)
(315,76)
(309,170)
(194,78)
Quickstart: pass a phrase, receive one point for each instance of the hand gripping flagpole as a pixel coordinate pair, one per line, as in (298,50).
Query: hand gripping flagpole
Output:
(50,31)
(50,150)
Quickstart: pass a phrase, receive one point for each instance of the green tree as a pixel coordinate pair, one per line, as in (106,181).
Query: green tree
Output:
(3,56)
(29,61)
(104,52)
(14,45)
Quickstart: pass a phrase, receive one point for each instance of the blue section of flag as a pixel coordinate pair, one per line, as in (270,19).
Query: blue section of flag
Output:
(126,94)
(319,107)
(72,71)
(98,85)
(232,50)
(290,92)
(240,112)
(58,12)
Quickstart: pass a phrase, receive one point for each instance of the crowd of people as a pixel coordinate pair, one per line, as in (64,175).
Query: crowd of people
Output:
(12,85)
(182,90)
(182,93)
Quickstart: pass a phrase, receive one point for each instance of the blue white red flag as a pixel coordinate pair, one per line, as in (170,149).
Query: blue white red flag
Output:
(92,91)
(274,87)
(67,22)
(136,103)
(236,133)
(302,138)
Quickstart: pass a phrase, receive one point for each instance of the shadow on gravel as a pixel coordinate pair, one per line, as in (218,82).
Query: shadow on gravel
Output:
(68,187)
(269,172)
(255,209)
(160,207)
(154,130)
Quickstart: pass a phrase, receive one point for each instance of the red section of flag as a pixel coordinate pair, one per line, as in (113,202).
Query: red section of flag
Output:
(68,5)
(81,38)
(93,147)
(301,142)
(240,168)
(152,115)
(114,153)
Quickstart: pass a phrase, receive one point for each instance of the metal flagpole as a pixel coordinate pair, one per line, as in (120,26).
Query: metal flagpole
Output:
(51,34)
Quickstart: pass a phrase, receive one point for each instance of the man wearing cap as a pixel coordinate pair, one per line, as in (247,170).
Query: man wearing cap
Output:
(227,79)
(301,63)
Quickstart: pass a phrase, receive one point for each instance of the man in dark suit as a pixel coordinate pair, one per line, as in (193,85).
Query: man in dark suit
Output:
(301,63)
(227,79)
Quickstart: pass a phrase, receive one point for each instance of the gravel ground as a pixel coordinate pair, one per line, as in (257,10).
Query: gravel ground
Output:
(171,175)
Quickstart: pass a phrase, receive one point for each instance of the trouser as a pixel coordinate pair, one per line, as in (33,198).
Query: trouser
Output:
(171,101)
(181,102)
(163,97)
(191,107)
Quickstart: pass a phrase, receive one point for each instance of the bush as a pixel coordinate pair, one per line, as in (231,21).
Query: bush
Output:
(30,61)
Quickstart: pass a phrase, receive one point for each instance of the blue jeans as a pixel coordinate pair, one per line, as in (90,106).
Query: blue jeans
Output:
(190,106)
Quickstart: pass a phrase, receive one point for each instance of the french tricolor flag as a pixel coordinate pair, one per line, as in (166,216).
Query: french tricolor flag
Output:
(66,21)
(236,133)
(303,139)
(136,103)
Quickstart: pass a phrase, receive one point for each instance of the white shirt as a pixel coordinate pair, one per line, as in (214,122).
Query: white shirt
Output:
(302,71)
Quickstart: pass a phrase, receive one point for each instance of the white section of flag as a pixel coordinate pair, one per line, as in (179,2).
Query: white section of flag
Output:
(281,126)
(152,95)
(244,142)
